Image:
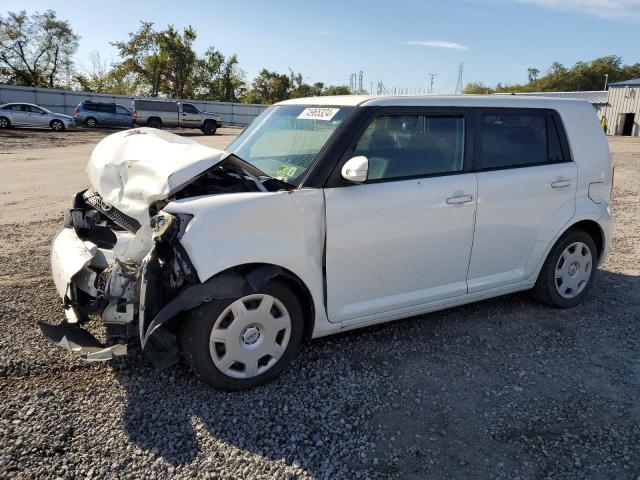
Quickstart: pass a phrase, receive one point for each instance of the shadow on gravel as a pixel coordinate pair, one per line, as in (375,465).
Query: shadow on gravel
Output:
(487,389)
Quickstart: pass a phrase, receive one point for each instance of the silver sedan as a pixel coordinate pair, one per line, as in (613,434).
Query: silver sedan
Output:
(29,115)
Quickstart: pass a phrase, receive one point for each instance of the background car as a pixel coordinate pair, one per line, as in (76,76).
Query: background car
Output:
(29,115)
(92,114)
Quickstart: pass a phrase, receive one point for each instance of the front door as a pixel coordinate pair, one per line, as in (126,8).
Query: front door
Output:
(526,194)
(403,238)
(189,115)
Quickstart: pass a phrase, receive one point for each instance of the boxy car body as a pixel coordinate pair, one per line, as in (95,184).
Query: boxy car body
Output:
(364,209)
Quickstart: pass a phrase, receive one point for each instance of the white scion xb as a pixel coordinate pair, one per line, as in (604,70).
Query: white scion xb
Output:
(329,214)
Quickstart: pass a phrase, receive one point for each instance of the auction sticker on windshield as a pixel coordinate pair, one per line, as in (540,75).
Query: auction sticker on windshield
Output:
(315,113)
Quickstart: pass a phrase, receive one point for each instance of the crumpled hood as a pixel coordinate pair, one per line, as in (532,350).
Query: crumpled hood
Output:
(134,168)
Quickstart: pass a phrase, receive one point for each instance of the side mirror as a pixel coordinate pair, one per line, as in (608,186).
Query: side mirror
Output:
(356,169)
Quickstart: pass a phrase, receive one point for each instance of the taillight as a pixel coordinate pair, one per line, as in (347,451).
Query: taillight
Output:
(77,112)
(135,114)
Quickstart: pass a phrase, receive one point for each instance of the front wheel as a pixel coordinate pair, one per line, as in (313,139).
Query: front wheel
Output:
(568,271)
(209,128)
(57,126)
(4,122)
(243,342)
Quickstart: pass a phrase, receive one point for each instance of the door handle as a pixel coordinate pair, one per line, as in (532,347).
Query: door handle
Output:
(459,199)
(560,184)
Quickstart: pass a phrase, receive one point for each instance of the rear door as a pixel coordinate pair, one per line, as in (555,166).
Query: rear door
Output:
(403,238)
(526,193)
(107,114)
(20,114)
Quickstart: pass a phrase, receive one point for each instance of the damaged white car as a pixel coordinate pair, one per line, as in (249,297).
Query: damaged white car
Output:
(328,214)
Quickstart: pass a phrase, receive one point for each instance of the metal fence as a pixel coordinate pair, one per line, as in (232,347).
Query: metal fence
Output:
(65,101)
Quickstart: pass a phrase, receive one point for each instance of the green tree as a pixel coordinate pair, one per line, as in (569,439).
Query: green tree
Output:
(477,88)
(36,50)
(142,59)
(269,87)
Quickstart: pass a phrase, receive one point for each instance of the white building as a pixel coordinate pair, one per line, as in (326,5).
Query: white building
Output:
(623,108)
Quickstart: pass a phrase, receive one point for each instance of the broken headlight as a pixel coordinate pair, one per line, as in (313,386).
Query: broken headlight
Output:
(167,227)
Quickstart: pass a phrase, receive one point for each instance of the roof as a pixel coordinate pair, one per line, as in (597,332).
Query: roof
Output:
(521,101)
(595,97)
(634,82)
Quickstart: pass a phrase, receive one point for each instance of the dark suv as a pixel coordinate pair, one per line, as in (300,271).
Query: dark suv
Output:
(92,114)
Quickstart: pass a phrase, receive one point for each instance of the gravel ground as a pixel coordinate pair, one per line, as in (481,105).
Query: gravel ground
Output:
(504,388)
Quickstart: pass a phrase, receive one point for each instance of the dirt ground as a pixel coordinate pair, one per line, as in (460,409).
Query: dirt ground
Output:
(504,388)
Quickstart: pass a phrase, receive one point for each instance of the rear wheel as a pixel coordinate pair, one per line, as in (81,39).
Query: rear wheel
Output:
(568,271)
(57,125)
(91,122)
(209,127)
(4,122)
(154,123)
(243,342)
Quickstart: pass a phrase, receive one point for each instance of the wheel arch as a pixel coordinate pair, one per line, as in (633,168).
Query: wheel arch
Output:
(594,230)
(233,282)
(56,120)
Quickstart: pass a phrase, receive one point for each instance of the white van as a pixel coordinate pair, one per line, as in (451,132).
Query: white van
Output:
(329,214)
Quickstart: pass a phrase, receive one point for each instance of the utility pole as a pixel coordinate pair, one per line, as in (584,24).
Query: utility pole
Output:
(606,80)
(371,88)
(360,82)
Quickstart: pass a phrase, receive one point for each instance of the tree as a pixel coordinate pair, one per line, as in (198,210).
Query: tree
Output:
(36,50)
(142,59)
(219,78)
(532,73)
(269,87)
(336,90)
(100,78)
(477,88)
(179,61)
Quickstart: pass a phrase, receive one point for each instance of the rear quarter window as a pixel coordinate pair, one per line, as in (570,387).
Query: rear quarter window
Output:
(519,139)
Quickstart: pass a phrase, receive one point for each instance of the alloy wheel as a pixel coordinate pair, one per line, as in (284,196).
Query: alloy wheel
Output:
(573,270)
(57,126)
(4,123)
(250,336)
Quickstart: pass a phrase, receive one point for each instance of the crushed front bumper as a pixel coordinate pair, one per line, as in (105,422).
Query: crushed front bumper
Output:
(80,269)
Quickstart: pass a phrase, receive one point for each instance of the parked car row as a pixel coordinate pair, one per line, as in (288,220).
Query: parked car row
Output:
(151,113)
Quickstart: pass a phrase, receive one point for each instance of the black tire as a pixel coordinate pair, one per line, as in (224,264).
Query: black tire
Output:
(91,122)
(154,123)
(545,289)
(5,123)
(57,125)
(209,127)
(196,331)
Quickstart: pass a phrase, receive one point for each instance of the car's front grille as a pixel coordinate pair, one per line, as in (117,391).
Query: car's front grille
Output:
(94,200)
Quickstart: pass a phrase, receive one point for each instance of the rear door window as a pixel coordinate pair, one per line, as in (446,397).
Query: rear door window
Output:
(518,139)
(91,107)
(122,110)
(107,108)
(406,146)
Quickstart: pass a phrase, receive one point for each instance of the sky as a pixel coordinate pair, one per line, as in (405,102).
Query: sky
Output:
(398,42)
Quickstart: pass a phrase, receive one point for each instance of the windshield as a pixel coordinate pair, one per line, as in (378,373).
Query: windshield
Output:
(284,140)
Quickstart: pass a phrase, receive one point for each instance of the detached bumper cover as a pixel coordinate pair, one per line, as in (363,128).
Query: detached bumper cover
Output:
(75,339)
(69,255)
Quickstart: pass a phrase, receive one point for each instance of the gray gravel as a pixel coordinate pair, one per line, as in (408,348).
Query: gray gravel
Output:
(499,389)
